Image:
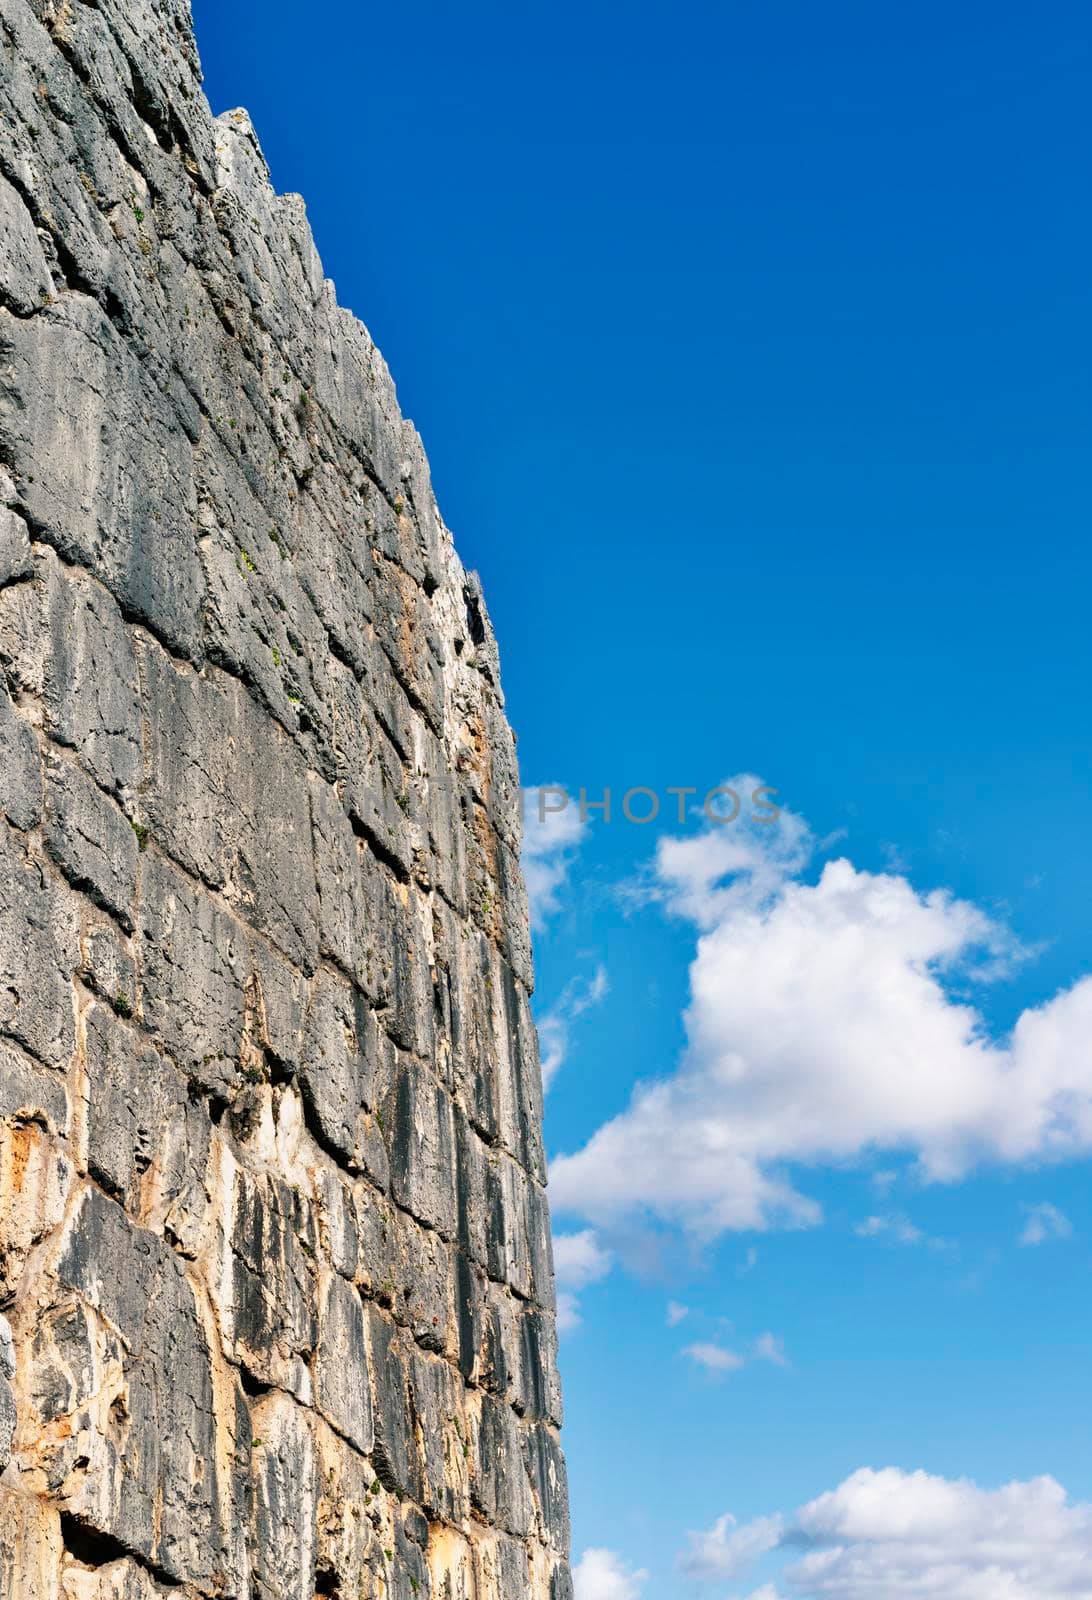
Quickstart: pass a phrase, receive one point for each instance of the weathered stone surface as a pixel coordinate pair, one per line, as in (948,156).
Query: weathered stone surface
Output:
(148,1141)
(501,1489)
(274,1244)
(343,1390)
(346,1062)
(108,475)
(194,966)
(225,794)
(547,1471)
(124,1421)
(31,1093)
(395,1452)
(38,954)
(117,1580)
(27,281)
(31,1551)
(437,1395)
(263,1278)
(90,839)
(65,644)
(20,768)
(285,1500)
(422,1147)
(16,556)
(7,1398)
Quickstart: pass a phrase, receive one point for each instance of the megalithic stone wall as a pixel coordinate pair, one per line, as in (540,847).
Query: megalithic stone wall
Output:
(276,1252)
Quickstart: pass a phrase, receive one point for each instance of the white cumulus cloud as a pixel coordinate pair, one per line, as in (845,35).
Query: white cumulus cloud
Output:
(579,1259)
(602,1575)
(829,1022)
(894,1535)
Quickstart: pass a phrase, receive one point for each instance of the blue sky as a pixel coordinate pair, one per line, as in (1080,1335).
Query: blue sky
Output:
(751,348)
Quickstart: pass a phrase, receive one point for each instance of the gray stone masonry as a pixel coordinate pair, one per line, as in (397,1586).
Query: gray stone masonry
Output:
(275,1269)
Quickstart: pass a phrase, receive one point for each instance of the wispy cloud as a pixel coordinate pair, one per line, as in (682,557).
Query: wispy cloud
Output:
(893,1227)
(714,1358)
(769,1347)
(552,831)
(1045,1222)
(676,1313)
(568,1311)
(578,996)
(730,1549)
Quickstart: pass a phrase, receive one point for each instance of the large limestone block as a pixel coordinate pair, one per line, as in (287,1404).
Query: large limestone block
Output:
(285,1500)
(66,646)
(342,1388)
(225,794)
(39,951)
(31,1550)
(108,476)
(129,1416)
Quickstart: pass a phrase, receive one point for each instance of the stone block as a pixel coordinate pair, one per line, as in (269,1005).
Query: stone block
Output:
(157,1428)
(90,839)
(342,1383)
(39,952)
(395,1450)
